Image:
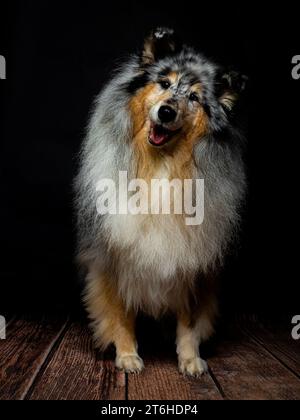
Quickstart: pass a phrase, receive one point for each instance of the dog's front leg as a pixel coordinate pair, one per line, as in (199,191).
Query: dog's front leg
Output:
(111,323)
(190,333)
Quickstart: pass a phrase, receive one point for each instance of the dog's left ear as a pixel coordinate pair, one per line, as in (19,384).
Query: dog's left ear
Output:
(229,86)
(161,42)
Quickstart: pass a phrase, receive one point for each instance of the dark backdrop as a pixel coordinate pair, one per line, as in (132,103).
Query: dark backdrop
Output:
(58,57)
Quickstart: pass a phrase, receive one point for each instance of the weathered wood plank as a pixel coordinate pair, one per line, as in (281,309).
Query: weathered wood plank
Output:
(44,359)
(78,372)
(161,380)
(246,371)
(279,342)
(28,343)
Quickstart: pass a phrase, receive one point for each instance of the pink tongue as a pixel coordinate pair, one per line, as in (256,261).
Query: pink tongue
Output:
(158,136)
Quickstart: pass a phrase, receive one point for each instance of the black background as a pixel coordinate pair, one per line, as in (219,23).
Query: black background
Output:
(58,57)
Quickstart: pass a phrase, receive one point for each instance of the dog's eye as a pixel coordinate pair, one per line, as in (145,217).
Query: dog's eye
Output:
(165,84)
(194,97)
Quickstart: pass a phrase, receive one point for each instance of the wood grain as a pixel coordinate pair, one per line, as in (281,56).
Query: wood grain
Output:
(78,372)
(28,343)
(279,342)
(50,359)
(161,381)
(246,371)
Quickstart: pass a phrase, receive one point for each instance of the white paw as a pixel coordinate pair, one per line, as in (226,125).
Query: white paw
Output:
(130,363)
(193,367)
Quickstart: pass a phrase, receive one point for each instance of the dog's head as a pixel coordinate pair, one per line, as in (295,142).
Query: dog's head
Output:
(178,95)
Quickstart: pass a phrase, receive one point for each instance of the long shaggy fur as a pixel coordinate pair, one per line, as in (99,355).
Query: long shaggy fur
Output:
(156,262)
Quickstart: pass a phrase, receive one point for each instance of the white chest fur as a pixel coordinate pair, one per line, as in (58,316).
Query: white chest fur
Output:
(158,255)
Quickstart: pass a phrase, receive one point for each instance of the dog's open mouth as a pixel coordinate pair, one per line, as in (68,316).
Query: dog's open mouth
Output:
(160,135)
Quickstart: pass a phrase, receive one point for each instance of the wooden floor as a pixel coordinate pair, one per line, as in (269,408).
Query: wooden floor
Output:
(54,359)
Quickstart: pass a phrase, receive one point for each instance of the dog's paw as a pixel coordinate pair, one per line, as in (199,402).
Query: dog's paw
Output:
(193,367)
(130,363)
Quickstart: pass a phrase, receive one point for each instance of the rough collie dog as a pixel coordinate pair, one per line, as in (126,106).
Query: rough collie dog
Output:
(166,114)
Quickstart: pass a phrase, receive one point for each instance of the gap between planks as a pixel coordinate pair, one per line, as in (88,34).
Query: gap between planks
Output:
(273,353)
(47,357)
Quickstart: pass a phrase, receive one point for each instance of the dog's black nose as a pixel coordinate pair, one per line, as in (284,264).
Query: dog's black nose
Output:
(166,114)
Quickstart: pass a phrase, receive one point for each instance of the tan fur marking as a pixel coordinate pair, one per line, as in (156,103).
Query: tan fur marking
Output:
(111,323)
(177,156)
(147,158)
(229,99)
(173,77)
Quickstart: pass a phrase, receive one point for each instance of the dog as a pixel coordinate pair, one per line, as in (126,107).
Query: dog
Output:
(167,113)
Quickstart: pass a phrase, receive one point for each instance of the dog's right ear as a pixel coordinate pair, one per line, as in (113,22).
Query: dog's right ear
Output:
(160,43)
